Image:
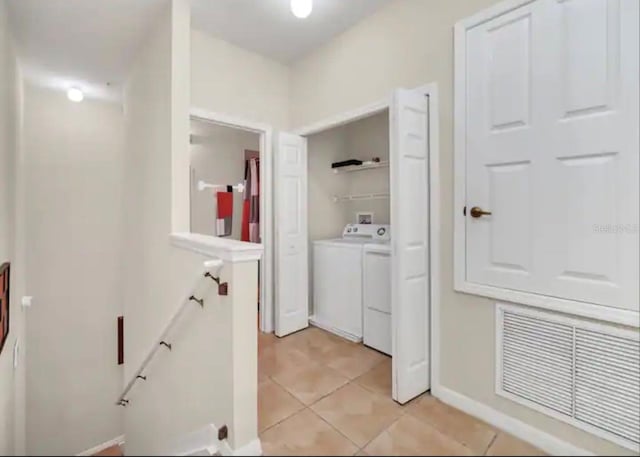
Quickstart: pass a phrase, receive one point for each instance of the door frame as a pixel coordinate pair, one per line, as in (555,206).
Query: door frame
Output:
(431,92)
(460,282)
(266,201)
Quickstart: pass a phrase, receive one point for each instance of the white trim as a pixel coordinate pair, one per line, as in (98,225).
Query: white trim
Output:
(205,438)
(583,309)
(459,154)
(212,246)
(561,305)
(534,436)
(344,118)
(117,441)
(266,203)
(431,91)
(253,448)
(606,329)
(228,120)
(489,13)
(335,330)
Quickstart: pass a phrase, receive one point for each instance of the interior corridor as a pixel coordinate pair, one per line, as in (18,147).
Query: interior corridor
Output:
(321,395)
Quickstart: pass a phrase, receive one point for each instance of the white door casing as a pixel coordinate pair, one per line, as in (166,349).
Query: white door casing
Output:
(548,101)
(409,162)
(291,240)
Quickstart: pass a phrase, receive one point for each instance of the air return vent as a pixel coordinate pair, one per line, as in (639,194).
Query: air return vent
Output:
(582,373)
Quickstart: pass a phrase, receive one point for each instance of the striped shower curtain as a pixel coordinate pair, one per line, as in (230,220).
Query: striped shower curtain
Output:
(251,202)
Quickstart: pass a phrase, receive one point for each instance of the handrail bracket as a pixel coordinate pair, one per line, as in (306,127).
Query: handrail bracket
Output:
(200,301)
(223,287)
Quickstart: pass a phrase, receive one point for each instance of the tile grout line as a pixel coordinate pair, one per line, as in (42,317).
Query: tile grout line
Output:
(349,380)
(290,415)
(319,399)
(334,428)
(349,439)
(309,353)
(445,433)
(495,437)
(386,429)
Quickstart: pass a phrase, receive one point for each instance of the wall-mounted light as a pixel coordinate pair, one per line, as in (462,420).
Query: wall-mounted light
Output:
(301,8)
(75,95)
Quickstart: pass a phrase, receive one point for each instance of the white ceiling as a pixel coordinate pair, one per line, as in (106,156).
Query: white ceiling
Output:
(92,43)
(268,27)
(86,43)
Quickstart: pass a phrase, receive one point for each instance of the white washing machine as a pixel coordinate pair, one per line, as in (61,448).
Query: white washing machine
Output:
(338,279)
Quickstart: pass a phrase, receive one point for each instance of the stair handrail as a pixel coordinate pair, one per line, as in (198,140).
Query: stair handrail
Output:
(211,272)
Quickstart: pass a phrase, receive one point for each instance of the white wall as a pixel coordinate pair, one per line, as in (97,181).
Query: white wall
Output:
(362,139)
(217,157)
(11,381)
(326,218)
(368,138)
(210,375)
(406,44)
(231,80)
(73,171)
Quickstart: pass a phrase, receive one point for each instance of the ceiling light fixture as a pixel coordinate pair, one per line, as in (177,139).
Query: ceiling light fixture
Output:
(75,95)
(301,8)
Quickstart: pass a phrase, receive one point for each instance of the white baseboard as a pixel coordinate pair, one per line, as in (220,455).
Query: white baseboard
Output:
(536,437)
(204,441)
(313,320)
(254,448)
(117,441)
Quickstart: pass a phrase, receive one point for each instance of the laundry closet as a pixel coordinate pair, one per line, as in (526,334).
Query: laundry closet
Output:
(350,232)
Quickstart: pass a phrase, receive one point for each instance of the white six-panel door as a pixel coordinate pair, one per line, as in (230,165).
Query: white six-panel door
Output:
(291,239)
(551,97)
(410,287)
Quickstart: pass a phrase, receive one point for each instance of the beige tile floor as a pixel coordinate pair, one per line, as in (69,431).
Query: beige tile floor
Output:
(321,395)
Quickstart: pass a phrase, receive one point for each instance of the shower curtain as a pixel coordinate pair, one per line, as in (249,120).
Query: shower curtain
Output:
(251,202)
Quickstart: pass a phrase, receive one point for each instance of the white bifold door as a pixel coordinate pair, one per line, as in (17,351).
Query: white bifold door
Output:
(551,97)
(410,285)
(291,237)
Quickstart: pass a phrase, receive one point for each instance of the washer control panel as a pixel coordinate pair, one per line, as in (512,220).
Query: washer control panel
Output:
(374,232)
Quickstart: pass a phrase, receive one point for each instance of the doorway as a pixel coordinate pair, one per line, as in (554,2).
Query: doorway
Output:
(230,189)
(413,166)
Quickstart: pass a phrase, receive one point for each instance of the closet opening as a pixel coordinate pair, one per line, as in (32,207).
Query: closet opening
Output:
(356,219)
(350,231)
(229,162)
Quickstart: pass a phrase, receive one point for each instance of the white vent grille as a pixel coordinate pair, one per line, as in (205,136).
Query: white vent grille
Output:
(582,373)
(607,383)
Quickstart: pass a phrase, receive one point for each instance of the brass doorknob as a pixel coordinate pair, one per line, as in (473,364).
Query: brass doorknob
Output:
(476,211)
